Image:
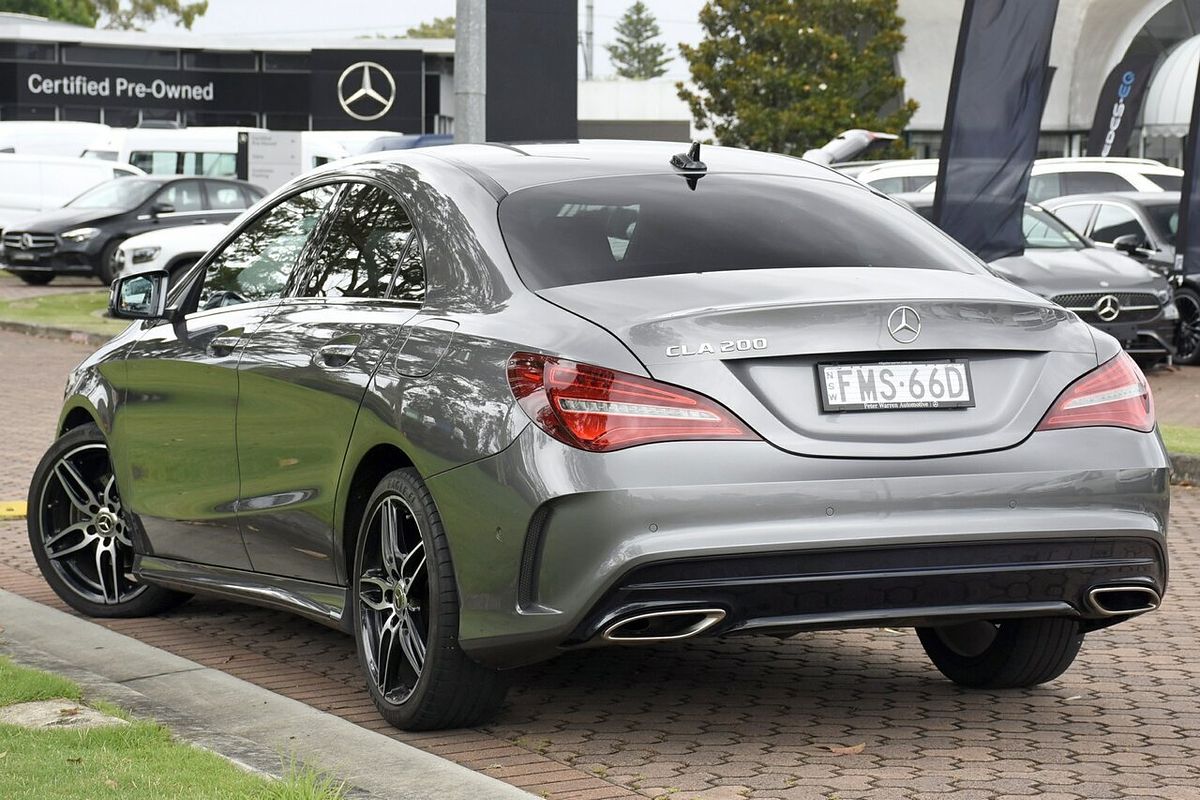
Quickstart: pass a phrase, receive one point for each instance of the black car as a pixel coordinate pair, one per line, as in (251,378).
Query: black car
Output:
(82,237)
(1104,286)
(1142,224)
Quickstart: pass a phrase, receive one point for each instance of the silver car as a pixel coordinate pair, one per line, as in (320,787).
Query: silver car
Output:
(478,405)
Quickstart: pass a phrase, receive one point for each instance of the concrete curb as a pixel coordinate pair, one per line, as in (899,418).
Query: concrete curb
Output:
(53,332)
(1185,468)
(243,722)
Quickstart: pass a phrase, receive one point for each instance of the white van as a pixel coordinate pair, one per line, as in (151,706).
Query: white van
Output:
(30,185)
(195,151)
(64,139)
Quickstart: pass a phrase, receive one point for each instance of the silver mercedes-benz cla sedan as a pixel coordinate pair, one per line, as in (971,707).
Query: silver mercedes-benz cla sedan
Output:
(478,405)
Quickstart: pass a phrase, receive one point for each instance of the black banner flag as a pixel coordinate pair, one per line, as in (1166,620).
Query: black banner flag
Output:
(1118,105)
(993,116)
(1187,235)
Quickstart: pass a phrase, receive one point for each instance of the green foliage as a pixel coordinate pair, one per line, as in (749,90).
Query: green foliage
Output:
(120,14)
(80,12)
(437,28)
(636,55)
(789,75)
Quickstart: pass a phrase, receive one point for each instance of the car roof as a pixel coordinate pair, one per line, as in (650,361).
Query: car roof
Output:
(1134,198)
(160,178)
(518,166)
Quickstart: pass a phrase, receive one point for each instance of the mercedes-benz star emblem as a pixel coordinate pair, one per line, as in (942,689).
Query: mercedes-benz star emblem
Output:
(26,241)
(1107,308)
(904,325)
(375,94)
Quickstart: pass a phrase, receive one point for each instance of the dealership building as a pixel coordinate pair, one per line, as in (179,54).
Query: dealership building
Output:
(51,70)
(57,71)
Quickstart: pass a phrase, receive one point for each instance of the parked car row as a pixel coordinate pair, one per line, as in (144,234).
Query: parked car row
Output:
(1100,241)
(82,238)
(1106,288)
(1050,177)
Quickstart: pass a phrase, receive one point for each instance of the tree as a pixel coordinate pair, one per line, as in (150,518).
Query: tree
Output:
(80,12)
(636,55)
(120,14)
(437,28)
(788,75)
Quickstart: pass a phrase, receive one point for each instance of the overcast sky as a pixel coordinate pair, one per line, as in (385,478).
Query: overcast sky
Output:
(350,18)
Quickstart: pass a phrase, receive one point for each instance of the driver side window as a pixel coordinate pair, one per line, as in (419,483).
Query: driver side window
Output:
(259,262)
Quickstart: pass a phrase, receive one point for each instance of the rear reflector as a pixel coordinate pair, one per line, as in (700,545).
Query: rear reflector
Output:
(598,409)
(1115,394)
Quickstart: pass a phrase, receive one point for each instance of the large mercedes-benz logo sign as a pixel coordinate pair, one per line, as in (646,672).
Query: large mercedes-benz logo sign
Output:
(26,241)
(904,324)
(1107,308)
(375,92)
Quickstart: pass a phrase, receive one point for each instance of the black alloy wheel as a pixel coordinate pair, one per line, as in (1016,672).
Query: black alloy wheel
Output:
(405,605)
(1187,337)
(81,533)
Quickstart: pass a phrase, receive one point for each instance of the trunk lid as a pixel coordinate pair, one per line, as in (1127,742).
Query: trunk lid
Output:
(753,340)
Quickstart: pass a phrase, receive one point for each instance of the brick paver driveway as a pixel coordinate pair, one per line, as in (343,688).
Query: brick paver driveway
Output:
(754,717)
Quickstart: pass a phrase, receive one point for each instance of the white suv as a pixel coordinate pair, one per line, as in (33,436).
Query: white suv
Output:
(1050,177)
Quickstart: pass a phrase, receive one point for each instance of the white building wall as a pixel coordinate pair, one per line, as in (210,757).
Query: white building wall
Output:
(1090,37)
(655,99)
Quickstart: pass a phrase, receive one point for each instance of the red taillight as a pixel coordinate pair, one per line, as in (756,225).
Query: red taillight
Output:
(597,409)
(1114,394)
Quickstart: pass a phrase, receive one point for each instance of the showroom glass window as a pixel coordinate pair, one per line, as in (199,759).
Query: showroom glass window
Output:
(260,260)
(370,237)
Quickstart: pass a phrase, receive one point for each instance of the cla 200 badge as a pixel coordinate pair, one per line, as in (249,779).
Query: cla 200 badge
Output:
(706,348)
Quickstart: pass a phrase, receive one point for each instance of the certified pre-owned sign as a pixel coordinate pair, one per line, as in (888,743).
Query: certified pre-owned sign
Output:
(84,86)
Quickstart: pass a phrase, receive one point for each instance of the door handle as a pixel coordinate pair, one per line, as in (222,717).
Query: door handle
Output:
(223,345)
(336,355)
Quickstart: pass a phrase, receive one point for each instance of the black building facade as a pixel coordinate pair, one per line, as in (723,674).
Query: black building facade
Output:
(122,86)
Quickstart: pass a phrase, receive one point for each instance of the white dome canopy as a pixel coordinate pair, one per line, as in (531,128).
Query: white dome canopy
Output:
(1168,107)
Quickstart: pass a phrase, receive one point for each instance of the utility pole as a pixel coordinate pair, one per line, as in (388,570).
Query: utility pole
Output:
(589,50)
(470,71)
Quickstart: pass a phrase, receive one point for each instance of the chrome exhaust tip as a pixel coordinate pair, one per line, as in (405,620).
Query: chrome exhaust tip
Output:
(663,626)
(1118,601)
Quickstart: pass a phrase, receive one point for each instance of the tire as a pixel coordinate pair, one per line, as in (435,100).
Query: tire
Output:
(36,278)
(107,270)
(1187,337)
(81,536)
(180,267)
(406,616)
(1008,654)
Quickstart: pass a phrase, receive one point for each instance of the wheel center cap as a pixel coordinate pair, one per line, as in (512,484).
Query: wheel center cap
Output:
(106,522)
(399,598)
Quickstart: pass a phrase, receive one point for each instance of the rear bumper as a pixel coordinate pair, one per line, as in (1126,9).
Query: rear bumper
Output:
(888,586)
(572,541)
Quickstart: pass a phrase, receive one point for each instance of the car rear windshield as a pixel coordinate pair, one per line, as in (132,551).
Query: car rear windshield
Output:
(601,229)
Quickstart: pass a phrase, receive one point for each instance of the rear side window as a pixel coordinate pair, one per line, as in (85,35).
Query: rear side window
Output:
(1168,183)
(363,248)
(1094,182)
(225,196)
(634,226)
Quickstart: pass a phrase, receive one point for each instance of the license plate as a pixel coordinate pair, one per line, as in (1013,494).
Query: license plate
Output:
(890,387)
(19,256)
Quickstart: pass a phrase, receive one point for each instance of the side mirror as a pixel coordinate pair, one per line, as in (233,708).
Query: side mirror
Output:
(140,296)
(1130,243)
(162,208)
